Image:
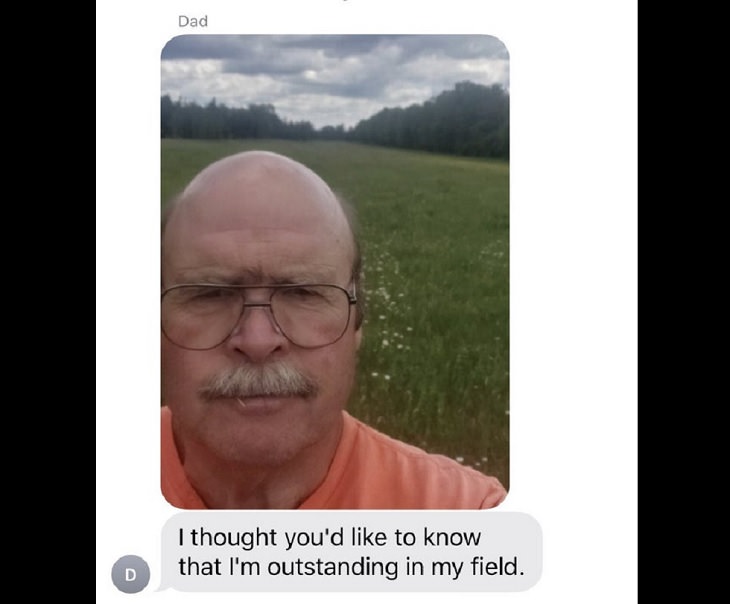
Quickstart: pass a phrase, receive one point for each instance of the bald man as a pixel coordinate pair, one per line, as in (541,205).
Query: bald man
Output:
(261,324)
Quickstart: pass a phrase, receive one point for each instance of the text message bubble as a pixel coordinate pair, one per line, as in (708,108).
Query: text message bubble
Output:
(351,551)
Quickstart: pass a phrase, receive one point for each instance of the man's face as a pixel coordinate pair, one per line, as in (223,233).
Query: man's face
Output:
(258,228)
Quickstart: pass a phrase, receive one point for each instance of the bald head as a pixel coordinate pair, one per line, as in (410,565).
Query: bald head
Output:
(254,177)
(251,168)
(254,206)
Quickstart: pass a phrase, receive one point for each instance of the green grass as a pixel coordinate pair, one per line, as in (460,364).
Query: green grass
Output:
(434,366)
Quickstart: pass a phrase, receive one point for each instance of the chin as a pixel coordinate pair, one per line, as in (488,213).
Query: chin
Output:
(265,456)
(261,449)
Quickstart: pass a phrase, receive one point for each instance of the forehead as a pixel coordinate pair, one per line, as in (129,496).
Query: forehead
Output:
(267,223)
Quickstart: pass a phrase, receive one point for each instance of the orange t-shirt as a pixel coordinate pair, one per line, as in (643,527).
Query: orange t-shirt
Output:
(369,471)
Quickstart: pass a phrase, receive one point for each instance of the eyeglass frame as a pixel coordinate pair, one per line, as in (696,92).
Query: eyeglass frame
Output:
(351,300)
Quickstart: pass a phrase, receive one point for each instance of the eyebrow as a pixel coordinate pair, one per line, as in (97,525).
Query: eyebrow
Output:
(259,277)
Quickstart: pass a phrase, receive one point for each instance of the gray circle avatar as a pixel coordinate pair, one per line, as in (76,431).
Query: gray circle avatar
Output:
(130,574)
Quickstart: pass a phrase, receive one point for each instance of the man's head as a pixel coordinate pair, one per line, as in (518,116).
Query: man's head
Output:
(273,387)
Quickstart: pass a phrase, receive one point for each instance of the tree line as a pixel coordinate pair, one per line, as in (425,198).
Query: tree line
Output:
(469,120)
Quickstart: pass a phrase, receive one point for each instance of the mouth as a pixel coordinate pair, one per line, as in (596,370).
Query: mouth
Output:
(264,404)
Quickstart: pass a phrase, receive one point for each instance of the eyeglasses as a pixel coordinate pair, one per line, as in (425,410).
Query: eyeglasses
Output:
(203,316)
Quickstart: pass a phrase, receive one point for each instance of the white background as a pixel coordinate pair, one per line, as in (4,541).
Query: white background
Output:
(573,70)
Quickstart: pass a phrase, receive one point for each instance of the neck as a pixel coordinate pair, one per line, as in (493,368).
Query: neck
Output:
(225,485)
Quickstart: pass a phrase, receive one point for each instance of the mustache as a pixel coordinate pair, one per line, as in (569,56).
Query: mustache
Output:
(272,379)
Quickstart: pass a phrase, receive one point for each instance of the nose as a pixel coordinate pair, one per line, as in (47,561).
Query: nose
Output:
(257,335)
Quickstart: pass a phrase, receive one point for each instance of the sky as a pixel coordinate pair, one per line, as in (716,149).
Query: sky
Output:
(327,80)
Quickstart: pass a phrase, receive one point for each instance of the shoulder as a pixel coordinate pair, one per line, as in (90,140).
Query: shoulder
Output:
(415,478)
(174,483)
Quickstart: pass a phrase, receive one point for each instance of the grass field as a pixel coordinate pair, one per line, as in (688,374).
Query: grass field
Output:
(434,366)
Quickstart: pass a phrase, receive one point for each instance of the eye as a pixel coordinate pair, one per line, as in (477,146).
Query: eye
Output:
(301,292)
(210,293)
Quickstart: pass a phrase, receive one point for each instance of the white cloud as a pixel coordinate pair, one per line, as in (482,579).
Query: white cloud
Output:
(327,80)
